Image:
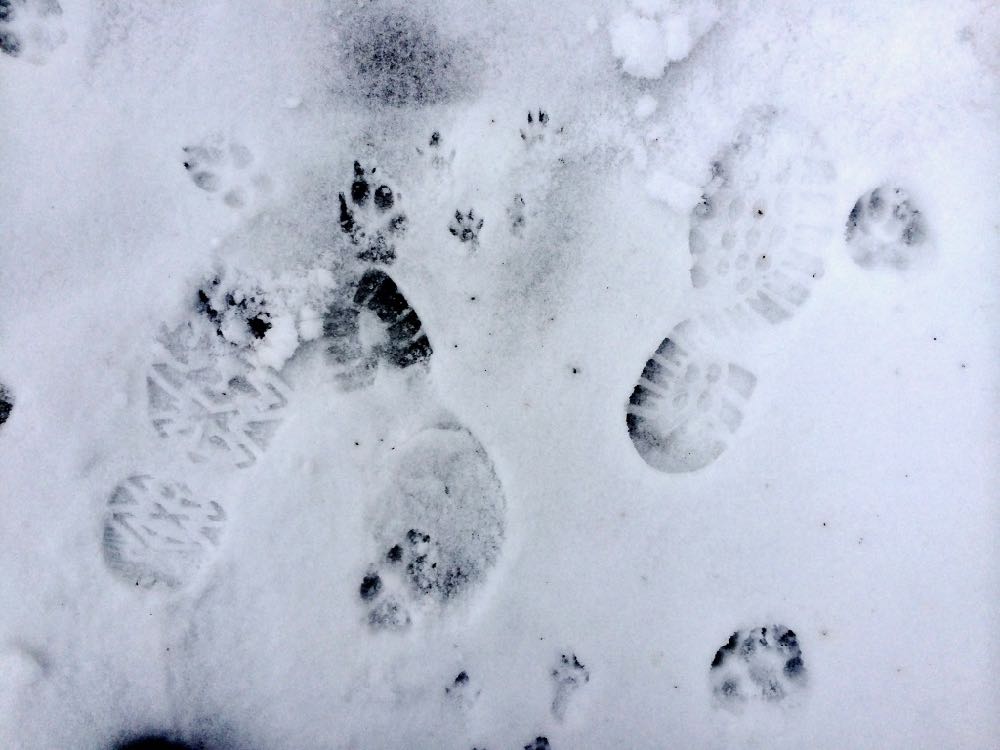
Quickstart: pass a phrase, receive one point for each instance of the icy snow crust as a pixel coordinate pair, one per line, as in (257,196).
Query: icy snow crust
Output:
(437,375)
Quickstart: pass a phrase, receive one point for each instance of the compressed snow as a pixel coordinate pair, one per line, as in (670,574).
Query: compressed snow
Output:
(563,375)
(651,34)
(645,106)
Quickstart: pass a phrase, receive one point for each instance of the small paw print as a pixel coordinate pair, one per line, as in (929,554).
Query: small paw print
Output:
(369,220)
(466,226)
(435,151)
(516,215)
(540,743)
(218,166)
(29,29)
(568,675)
(462,691)
(534,131)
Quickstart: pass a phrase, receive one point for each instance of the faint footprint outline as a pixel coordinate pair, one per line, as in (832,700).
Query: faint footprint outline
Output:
(217,164)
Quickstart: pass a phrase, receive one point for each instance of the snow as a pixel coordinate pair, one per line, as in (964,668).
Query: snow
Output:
(717,364)
(652,34)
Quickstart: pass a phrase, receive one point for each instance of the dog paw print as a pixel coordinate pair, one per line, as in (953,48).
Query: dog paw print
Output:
(369,219)
(416,566)
(536,128)
(466,226)
(435,152)
(568,676)
(240,316)
(885,228)
(30,29)
(763,663)
(225,167)
(439,530)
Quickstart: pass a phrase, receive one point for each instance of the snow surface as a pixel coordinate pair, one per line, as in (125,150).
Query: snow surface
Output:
(568,578)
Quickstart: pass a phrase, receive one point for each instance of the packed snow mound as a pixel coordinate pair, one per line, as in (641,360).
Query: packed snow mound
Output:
(651,34)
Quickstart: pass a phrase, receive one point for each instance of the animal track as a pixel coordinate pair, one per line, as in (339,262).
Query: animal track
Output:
(461,691)
(155,533)
(540,743)
(239,316)
(764,663)
(568,676)
(516,214)
(435,151)
(211,400)
(884,229)
(369,325)
(29,29)
(534,132)
(762,221)
(220,166)
(440,525)
(466,227)
(688,401)
(369,220)
(6,404)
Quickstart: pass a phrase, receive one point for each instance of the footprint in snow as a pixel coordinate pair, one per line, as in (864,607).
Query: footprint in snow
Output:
(158,533)
(31,30)
(226,167)
(756,242)
(885,229)
(762,663)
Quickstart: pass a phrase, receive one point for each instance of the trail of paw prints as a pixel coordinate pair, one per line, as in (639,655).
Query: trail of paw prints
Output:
(688,402)
(763,663)
(226,167)
(6,404)
(31,30)
(207,397)
(568,676)
(371,325)
(438,528)
(543,146)
(371,218)
(885,229)
(756,242)
(158,533)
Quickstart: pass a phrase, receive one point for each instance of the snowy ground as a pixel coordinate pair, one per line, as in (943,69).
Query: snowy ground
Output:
(496,375)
